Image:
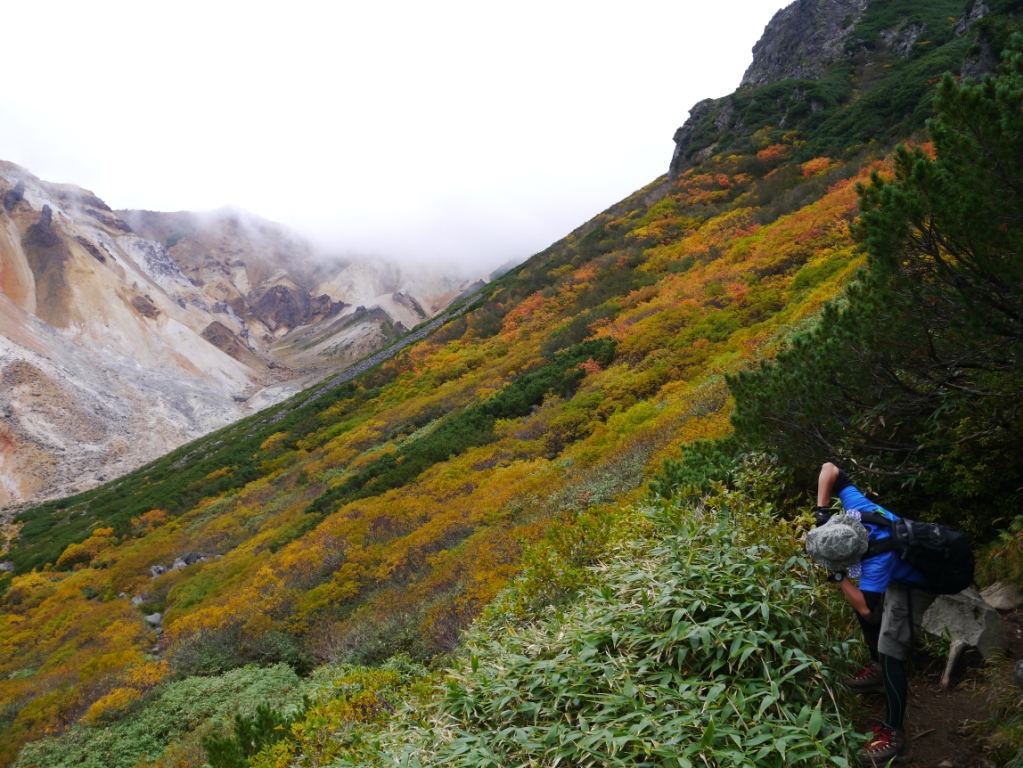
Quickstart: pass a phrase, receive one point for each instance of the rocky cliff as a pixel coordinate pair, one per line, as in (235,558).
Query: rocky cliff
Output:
(847,72)
(803,40)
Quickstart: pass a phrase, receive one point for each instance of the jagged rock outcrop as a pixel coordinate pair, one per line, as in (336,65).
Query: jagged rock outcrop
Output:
(145,306)
(14,196)
(846,72)
(220,336)
(683,155)
(41,233)
(985,59)
(803,40)
(287,306)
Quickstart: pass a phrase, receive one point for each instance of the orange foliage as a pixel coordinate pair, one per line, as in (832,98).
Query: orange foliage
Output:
(816,166)
(147,521)
(773,154)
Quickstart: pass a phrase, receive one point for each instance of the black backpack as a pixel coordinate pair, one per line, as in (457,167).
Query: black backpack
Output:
(942,555)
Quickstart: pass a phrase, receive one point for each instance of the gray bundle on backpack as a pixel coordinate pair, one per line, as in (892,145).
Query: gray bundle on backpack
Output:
(838,544)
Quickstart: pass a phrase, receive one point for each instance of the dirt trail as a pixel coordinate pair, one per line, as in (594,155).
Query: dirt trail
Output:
(946,727)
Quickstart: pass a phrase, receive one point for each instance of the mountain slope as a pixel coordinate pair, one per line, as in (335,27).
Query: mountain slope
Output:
(384,514)
(381,515)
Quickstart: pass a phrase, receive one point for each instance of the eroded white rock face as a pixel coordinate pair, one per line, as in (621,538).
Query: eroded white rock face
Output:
(126,334)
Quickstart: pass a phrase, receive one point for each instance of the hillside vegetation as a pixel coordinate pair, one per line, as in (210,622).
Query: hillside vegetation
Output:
(351,536)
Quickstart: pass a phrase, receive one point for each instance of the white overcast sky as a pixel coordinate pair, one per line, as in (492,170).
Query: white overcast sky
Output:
(470,132)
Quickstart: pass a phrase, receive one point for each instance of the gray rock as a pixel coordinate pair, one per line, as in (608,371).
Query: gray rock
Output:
(154,619)
(1003,596)
(967,618)
(42,234)
(900,40)
(157,570)
(14,196)
(192,558)
(803,40)
(137,600)
(122,596)
(178,564)
(977,12)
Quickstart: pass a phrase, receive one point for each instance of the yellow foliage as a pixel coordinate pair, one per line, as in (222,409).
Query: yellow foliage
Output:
(273,441)
(84,553)
(219,473)
(117,701)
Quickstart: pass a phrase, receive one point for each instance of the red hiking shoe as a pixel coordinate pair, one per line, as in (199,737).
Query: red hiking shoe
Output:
(866,680)
(889,745)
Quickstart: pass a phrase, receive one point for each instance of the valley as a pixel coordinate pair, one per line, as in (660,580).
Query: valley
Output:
(119,324)
(553,516)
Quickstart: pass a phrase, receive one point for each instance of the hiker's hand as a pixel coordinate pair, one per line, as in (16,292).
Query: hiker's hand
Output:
(821,515)
(874,616)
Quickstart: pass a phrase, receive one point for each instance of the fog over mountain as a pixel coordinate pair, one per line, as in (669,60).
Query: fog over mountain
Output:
(450,132)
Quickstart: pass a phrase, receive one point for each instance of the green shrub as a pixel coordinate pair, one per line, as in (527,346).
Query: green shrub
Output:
(250,735)
(171,712)
(1003,559)
(703,463)
(705,649)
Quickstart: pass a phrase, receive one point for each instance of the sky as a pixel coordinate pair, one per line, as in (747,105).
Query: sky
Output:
(443,132)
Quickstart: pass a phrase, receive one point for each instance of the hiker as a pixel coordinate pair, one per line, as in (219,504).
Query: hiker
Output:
(889,601)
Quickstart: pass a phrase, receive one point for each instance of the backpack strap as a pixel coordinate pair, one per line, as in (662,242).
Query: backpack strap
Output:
(876,518)
(888,543)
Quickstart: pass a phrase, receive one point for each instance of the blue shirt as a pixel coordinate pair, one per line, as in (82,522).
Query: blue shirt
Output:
(886,568)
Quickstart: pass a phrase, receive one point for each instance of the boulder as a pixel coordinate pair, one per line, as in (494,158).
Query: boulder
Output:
(178,564)
(1003,596)
(154,619)
(192,558)
(968,618)
(137,600)
(122,596)
(157,570)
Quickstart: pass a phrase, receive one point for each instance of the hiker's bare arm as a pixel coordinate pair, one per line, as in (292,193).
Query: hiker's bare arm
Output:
(854,597)
(826,481)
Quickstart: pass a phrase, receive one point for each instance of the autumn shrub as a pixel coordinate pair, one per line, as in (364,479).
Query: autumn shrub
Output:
(166,715)
(340,701)
(85,552)
(563,562)
(471,427)
(706,648)
(208,653)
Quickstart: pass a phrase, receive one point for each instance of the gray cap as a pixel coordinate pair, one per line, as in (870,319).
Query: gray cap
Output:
(838,544)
